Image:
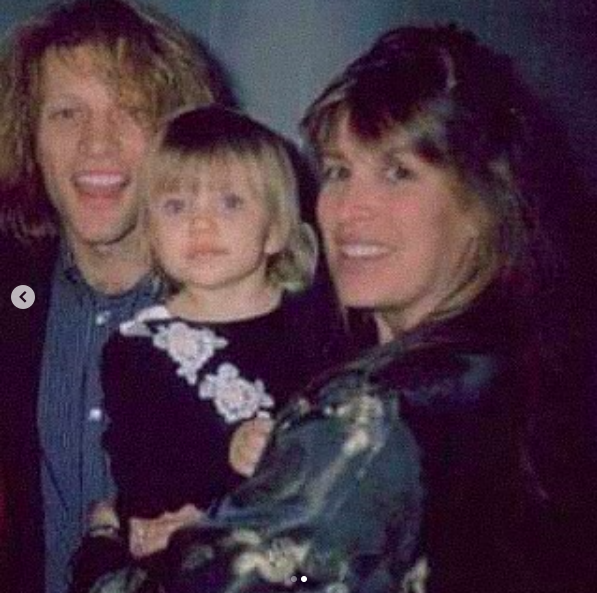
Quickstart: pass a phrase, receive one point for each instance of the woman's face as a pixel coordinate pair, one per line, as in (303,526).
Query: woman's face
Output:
(397,234)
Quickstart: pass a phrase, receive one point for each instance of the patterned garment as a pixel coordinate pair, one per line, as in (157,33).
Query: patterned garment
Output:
(175,393)
(335,505)
(399,473)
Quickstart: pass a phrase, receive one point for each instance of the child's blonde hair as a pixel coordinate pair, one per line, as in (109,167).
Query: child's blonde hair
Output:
(195,140)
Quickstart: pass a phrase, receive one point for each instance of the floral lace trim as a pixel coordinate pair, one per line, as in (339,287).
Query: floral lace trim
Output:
(137,327)
(234,397)
(191,348)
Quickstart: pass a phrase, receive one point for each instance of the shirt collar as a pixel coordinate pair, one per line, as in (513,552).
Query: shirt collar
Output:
(149,285)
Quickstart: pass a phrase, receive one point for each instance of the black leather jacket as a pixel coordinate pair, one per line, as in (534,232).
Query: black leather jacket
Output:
(398,472)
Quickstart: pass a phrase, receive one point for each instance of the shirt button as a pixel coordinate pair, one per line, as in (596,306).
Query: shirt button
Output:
(95,415)
(102,318)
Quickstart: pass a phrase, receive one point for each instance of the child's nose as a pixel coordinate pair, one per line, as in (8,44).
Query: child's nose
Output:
(201,218)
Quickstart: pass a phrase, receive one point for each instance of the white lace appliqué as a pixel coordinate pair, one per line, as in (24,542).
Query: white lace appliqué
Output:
(137,327)
(191,348)
(235,398)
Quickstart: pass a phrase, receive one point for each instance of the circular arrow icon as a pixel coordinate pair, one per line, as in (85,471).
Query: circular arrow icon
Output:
(22,296)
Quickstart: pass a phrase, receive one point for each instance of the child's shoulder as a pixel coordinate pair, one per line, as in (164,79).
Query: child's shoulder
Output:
(140,324)
(155,331)
(136,336)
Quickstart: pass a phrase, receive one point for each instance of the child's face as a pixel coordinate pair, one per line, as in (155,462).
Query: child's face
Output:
(216,235)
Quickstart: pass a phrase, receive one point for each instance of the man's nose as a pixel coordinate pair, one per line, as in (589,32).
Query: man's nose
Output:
(101,135)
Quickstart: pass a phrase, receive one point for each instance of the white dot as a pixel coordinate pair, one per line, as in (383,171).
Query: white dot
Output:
(95,414)
(102,318)
(304,579)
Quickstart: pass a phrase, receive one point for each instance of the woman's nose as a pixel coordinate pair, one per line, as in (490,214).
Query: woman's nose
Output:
(355,201)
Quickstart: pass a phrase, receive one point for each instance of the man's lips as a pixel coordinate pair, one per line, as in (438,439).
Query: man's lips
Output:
(101,185)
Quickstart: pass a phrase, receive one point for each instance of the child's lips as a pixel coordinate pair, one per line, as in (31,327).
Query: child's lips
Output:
(205,251)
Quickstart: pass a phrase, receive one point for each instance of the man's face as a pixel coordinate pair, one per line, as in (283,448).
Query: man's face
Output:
(89,145)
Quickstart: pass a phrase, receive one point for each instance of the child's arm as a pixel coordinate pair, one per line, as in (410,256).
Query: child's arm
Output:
(247,445)
(141,436)
(148,536)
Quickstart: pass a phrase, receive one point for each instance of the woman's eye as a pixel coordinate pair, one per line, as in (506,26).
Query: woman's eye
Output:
(397,173)
(334,173)
(230,202)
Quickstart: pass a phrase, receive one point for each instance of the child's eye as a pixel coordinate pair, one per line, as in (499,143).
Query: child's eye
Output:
(173,206)
(230,202)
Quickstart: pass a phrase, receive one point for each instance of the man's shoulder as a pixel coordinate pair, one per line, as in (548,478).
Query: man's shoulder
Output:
(29,265)
(20,259)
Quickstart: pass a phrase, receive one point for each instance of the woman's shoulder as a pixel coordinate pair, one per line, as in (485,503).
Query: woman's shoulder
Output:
(445,376)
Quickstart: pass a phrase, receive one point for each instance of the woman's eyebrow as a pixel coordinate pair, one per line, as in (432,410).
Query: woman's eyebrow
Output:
(331,153)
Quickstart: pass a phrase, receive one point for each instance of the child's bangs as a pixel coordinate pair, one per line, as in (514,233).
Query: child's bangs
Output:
(172,172)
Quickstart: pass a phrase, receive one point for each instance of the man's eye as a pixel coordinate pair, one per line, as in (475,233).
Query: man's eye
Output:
(140,115)
(63,113)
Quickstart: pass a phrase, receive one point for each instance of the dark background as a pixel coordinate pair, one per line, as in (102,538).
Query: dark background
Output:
(280,53)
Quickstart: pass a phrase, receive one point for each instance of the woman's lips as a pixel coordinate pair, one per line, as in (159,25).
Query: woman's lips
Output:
(362,250)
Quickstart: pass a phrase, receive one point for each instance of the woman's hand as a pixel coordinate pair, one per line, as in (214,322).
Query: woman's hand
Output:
(148,536)
(247,445)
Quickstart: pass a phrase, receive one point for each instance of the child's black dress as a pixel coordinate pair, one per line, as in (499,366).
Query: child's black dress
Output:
(175,392)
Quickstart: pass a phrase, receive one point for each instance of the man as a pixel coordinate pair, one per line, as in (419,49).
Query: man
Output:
(82,88)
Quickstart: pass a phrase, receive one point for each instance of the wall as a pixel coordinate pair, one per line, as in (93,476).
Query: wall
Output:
(281,52)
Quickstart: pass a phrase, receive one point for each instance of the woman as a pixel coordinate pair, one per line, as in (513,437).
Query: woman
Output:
(405,469)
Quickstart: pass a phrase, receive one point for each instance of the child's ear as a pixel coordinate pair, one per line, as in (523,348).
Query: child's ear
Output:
(277,238)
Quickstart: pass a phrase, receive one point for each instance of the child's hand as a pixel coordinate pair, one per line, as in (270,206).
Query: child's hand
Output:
(148,536)
(247,445)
